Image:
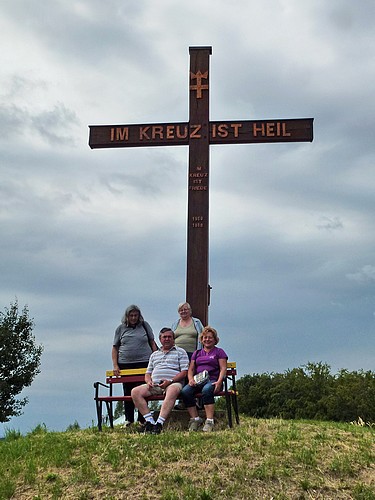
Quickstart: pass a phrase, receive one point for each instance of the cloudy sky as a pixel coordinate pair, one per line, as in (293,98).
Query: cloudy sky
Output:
(87,232)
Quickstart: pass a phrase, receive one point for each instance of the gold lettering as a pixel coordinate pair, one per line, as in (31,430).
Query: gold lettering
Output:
(222,130)
(257,129)
(270,129)
(143,133)
(198,188)
(119,134)
(285,133)
(170,132)
(198,174)
(236,127)
(157,130)
(194,131)
(181,135)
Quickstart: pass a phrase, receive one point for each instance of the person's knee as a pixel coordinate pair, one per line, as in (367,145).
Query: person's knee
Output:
(186,391)
(172,393)
(138,391)
(208,390)
(134,393)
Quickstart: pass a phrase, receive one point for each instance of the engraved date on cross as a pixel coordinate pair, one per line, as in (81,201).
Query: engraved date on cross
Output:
(197,221)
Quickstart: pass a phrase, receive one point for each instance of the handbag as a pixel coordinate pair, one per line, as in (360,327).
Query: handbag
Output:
(202,377)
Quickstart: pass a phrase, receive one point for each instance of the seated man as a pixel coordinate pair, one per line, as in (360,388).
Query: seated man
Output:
(165,374)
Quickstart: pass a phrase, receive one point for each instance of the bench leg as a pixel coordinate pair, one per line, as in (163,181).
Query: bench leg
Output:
(235,407)
(110,413)
(229,409)
(235,401)
(99,413)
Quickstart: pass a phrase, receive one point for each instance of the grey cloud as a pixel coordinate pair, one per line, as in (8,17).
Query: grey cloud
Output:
(12,120)
(54,124)
(330,224)
(365,275)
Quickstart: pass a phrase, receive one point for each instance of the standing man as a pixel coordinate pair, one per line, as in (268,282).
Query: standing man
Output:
(165,374)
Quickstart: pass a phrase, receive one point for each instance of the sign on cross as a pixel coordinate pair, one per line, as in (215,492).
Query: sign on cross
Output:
(198,133)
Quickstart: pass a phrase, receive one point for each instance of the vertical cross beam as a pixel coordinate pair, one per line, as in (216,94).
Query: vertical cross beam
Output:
(198,134)
(197,287)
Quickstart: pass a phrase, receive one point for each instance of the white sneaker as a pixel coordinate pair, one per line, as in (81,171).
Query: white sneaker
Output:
(208,426)
(194,424)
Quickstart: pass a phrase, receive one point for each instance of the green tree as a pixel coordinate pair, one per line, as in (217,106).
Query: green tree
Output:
(119,410)
(300,392)
(309,392)
(353,396)
(255,393)
(19,359)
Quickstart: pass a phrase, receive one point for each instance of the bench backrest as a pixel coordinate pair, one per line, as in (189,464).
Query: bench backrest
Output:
(138,374)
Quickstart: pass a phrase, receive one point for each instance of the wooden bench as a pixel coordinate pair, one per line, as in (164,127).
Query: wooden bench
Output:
(138,375)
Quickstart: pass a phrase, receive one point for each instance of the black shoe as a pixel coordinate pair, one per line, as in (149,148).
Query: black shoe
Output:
(148,428)
(157,428)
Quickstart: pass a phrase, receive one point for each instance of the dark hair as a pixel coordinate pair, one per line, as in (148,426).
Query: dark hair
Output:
(165,329)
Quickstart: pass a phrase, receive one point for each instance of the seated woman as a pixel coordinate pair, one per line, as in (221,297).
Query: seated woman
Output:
(214,360)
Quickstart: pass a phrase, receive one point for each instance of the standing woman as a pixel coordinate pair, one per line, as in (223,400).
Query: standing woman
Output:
(187,329)
(132,347)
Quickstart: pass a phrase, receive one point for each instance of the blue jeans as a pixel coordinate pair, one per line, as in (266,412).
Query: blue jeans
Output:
(188,394)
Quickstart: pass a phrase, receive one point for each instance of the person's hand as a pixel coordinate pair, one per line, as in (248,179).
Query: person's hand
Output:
(217,387)
(116,371)
(164,384)
(192,383)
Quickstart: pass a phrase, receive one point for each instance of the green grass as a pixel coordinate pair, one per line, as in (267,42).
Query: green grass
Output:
(260,459)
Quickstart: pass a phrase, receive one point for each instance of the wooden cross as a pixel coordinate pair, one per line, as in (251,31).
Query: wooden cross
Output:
(198,133)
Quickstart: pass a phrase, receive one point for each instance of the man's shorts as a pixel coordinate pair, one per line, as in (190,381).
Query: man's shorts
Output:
(158,391)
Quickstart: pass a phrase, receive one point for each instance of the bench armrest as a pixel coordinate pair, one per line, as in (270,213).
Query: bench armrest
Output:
(97,385)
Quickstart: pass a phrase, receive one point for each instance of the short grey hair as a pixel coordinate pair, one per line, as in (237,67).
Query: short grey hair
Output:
(181,304)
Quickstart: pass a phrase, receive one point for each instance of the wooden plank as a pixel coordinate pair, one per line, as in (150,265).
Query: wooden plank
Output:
(149,134)
(129,371)
(261,131)
(183,133)
(197,269)
(142,371)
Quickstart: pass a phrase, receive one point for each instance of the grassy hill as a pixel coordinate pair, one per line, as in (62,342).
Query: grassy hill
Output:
(260,459)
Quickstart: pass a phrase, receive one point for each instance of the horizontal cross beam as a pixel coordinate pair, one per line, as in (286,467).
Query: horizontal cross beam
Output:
(183,133)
